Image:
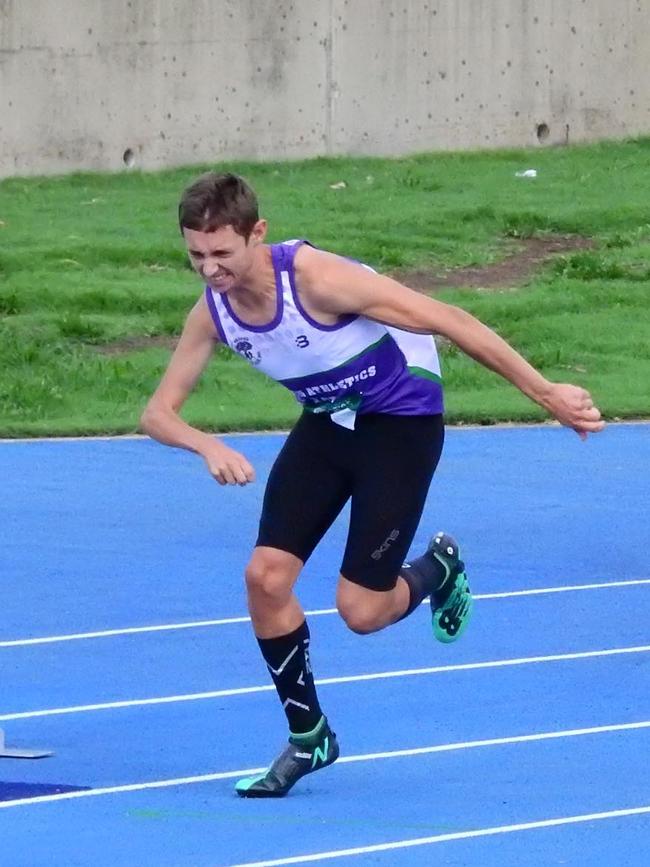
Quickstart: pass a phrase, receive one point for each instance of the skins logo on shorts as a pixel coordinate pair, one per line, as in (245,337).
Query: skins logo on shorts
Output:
(245,347)
(392,537)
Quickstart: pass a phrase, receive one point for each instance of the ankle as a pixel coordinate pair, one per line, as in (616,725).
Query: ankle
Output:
(311,737)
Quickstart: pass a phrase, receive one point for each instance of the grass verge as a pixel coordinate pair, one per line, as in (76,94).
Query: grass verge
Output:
(88,260)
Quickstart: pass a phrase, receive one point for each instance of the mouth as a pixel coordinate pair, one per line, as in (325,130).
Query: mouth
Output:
(219,279)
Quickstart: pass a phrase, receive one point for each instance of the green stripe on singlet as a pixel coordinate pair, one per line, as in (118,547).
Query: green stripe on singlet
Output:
(363,352)
(425,374)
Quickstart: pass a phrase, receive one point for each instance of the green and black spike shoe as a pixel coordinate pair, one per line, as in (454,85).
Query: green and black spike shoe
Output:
(451,603)
(304,754)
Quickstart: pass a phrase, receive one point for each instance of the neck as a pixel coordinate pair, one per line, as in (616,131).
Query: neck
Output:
(258,283)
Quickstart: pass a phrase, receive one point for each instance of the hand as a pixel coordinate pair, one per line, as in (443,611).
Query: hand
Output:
(226,465)
(573,407)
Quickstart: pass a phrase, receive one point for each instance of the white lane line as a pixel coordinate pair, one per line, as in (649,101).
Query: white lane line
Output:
(365,757)
(134,630)
(569,588)
(445,838)
(226,621)
(352,678)
(261,434)
(231,433)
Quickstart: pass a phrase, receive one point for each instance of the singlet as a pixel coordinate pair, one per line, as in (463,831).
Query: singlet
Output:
(354,366)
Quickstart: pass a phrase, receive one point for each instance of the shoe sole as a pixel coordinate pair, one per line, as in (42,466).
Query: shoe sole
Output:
(452,618)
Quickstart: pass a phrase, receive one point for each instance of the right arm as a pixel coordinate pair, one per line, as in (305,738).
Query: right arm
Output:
(161,419)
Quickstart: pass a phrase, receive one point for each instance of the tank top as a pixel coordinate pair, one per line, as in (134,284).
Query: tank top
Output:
(353,366)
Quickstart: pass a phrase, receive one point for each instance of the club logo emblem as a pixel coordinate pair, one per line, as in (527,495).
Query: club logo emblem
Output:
(245,347)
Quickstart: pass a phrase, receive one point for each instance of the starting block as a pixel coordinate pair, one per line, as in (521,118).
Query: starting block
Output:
(8,753)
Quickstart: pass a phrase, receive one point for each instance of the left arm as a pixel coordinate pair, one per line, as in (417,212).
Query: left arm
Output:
(336,286)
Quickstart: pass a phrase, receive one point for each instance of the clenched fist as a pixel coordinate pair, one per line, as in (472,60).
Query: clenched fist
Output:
(573,407)
(226,465)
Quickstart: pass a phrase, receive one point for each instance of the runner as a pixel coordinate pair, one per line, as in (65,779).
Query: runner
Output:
(356,349)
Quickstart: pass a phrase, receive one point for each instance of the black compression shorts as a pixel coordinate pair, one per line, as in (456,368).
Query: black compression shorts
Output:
(384,466)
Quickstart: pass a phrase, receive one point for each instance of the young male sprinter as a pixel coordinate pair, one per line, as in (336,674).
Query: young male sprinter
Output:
(356,350)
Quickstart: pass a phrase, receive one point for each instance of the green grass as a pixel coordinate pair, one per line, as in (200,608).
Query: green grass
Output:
(87,260)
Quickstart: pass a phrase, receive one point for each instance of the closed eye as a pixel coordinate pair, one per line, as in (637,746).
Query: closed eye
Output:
(221,254)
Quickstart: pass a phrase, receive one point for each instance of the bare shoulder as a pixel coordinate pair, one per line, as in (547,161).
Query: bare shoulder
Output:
(309,262)
(199,323)
(339,286)
(328,280)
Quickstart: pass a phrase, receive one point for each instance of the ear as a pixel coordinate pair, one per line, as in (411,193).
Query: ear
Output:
(258,233)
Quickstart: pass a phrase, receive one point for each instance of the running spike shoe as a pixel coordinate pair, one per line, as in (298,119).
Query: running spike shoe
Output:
(451,603)
(302,755)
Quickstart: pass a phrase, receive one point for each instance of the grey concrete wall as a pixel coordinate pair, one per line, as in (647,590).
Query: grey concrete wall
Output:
(88,84)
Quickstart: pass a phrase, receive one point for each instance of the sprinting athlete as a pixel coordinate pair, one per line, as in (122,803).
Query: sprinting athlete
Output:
(356,349)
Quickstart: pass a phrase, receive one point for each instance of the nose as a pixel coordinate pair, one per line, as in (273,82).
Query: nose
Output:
(210,267)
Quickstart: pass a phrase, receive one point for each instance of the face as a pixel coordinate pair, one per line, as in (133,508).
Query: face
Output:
(223,258)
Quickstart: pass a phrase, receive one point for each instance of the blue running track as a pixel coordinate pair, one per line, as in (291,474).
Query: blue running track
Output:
(125,648)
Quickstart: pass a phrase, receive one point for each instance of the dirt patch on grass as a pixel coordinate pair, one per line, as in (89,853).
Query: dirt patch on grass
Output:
(137,344)
(514,270)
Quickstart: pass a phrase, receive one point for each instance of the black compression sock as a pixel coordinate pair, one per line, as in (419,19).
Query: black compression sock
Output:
(423,575)
(287,658)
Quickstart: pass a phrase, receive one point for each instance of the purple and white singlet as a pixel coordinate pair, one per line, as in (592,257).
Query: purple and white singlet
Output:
(354,366)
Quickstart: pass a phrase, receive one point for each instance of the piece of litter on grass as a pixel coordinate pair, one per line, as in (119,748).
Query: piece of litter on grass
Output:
(527,173)
(339,185)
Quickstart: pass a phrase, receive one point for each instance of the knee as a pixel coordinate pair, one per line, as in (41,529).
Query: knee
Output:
(358,617)
(269,576)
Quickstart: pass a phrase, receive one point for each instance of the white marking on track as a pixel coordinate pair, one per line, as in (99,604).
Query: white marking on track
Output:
(365,757)
(464,428)
(446,838)
(352,678)
(135,436)
(227,621)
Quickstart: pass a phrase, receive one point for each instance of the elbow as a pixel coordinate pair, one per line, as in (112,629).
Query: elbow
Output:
(459,315)
(143,425)
(458,323)
(146,425)
(155,419)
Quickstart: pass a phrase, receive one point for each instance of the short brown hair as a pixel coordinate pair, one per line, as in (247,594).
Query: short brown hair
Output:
(215,200)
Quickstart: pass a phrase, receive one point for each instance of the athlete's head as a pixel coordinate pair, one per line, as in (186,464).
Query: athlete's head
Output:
(219,218)
(216,200)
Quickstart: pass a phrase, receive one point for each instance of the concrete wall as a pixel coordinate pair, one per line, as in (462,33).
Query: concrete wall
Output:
(90,84)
